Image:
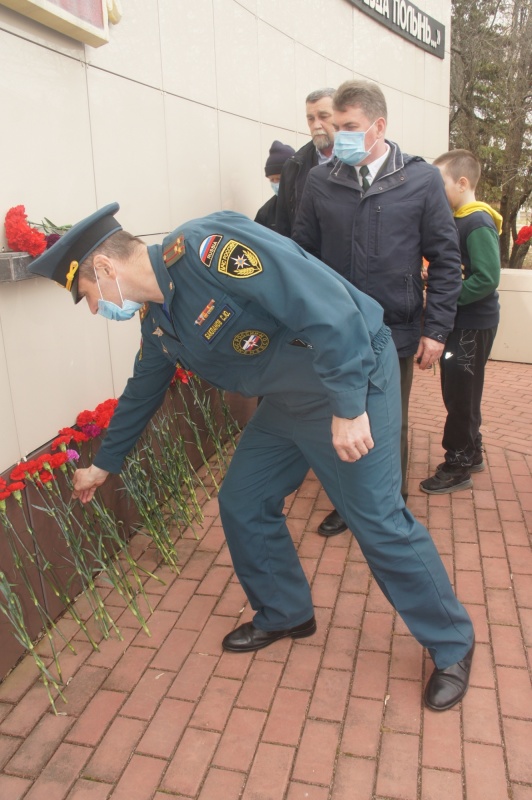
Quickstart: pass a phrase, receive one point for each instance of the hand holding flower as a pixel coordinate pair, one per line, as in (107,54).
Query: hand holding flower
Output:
(86,481)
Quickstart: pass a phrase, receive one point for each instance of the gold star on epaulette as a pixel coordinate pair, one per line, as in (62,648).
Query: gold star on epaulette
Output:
(175,251)
(158,332)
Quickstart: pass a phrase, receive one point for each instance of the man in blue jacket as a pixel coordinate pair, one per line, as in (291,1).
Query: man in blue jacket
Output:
(243,308)
(372,214)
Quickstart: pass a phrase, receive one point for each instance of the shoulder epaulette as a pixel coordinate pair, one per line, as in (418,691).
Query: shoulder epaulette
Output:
(174,251)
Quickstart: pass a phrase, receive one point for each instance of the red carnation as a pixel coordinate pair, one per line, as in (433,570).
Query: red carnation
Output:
(25,468)
(20,236)
(45,477)
(84,418)
(181,375)
(104,412)
(524,235)
(57,460)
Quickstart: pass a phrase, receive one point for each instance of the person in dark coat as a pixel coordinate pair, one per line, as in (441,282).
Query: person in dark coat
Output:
(319,113)
(244,308)
(371,214)
(278,155)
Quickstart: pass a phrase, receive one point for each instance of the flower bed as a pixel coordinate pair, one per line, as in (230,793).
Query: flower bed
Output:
(53,548)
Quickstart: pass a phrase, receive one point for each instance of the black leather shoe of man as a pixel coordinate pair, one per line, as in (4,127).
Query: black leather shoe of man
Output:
(446,687)
(332,524)
(445,482)
(247,637)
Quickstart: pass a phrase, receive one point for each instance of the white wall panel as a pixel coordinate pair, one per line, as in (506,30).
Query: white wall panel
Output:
(9,446)
(237,66)
(280,15)
(57,358)
(277,77)
(129,141)
(413,124)
(187,49)
(335,74)
(311,74)
(241,164)
(193,159)
(134,48)
(326,28)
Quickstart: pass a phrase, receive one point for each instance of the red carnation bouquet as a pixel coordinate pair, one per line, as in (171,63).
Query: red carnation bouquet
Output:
(28,237)
(21,237)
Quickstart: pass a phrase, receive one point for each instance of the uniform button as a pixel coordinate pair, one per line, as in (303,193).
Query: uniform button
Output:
(171,286)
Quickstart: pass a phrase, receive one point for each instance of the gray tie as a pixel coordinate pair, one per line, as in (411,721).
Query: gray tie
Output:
(364,172)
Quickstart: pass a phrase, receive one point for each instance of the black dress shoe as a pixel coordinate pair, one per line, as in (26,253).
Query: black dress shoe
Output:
(247,637)
(446,687)
(332,524)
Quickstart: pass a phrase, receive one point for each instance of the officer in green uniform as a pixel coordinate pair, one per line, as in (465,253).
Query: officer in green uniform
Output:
(243,308)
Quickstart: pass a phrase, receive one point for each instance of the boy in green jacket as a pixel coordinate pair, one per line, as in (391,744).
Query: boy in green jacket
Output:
(468,346)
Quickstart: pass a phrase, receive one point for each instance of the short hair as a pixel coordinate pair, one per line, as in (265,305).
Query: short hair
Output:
(313,97)
(365,94)
(119,245)
(460,164)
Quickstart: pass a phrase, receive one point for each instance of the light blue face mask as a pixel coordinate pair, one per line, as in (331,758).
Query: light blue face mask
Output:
(275,187)
(110,310)
(349,146)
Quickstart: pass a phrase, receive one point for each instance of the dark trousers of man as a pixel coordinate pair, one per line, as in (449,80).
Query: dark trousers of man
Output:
(274,454)
(463,364)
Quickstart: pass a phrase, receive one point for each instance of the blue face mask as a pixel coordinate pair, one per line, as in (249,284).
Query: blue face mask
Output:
(349,146)
(110,310)
(275,188)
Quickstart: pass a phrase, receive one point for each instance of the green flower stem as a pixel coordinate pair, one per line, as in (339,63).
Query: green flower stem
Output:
(12,609)
(47,622)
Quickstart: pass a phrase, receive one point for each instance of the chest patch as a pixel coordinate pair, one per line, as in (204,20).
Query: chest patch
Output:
(208,248)
(250,343)
(239,261)
(217,324)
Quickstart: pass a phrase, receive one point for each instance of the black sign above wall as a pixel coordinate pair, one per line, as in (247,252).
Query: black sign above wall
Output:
(407,20)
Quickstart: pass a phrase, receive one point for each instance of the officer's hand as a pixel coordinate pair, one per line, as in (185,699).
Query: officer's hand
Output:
(428,352)
(351,437)
(86,481)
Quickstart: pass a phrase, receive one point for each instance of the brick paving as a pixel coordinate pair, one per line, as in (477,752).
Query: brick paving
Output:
(337,716)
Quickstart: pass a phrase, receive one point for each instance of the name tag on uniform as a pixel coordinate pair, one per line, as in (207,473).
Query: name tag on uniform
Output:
(218,322)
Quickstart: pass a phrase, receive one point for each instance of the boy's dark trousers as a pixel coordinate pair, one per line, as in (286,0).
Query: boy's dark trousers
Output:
(463,363)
